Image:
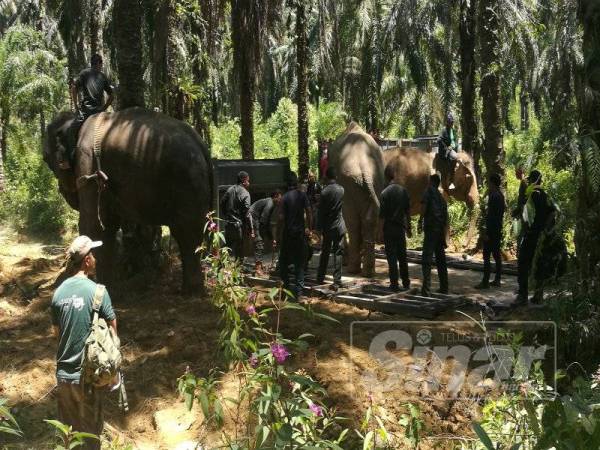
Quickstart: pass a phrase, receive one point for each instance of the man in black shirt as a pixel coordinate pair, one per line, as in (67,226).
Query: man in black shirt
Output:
(333,228)
(395,213)
(261,212)
(91,83)
(295,205)
(433,221)
(235,207)
(313,191)
(538,216)
(493,233)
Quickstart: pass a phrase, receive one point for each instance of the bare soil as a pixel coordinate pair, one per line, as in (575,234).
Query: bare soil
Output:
(163,333)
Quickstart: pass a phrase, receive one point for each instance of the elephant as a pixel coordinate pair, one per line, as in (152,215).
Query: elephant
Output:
(159,173)
(411,168)
(358,162)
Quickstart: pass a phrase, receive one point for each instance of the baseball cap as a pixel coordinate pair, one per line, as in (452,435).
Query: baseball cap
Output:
(81,246)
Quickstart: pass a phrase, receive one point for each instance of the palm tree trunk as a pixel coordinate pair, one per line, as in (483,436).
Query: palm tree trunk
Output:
(587,232)
(245,71)
(493,151)
(96,27)
(127,19)
(468,72)
(301,63)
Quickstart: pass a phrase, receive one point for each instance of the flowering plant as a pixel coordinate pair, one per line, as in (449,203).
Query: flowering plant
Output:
(285,406)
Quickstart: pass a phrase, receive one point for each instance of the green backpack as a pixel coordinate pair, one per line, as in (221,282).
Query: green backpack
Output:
(102,355)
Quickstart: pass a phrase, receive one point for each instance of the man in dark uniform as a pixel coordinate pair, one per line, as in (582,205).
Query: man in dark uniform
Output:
(261,212)
(313,191)
(91,83)
(447,140)
(295,230)
(333,228)
(493,233)
(538,216)
(433,222)
(235,211)
(395,212)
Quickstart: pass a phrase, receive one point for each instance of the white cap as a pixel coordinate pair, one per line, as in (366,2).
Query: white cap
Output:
(81,246)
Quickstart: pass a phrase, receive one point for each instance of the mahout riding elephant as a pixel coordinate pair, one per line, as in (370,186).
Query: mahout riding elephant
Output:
(159,173)
(412,167)
(358,162)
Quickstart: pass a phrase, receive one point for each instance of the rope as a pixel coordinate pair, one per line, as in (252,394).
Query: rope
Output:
(99,129)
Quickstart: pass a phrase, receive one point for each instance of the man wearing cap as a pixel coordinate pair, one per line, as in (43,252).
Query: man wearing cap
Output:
(235,211)
(538,216)
(79,405)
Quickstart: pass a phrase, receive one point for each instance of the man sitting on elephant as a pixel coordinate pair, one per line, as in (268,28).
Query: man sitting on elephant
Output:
(433,222)
(447,142)
(91,83)
(235,211)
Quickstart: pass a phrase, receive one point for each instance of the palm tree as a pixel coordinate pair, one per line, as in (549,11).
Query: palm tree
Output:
(302,94)
(250,20)
(127,23)
(588,223)
(468,73)
(489,29)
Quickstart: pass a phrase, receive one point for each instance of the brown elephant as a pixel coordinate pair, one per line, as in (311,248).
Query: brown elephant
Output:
(412,167)
(159,173)
(358,162)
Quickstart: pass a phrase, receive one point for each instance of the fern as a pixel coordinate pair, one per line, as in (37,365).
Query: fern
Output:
(590,161)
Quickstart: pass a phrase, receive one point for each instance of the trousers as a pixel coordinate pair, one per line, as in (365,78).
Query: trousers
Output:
(491,247)
(81,407)
(292,252)
(333,242)
(525,260)
(394,239)
(434,243)
(234,240)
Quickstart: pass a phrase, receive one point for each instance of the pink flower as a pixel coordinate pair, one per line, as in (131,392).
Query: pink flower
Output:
(212,226)
(252,296)
(316,409)
(253,360)
(251,310)
(279,352)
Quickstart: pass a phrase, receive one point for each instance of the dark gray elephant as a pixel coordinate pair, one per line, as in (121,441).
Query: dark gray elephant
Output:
(358,162)
(159,173)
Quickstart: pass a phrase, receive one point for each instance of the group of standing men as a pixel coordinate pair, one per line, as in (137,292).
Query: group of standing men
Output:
(292,227)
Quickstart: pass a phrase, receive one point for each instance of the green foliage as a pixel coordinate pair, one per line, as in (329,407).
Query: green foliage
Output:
(285,407)
(31,201)
(8,424)
(277,136)
(67,438)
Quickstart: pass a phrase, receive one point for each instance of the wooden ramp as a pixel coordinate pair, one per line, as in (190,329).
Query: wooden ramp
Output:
(361,293)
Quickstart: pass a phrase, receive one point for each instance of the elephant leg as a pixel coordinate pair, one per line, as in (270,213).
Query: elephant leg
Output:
(354,238)
(188,239)
(369,232)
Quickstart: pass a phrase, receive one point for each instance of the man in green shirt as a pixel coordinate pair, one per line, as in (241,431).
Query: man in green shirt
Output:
(79,405)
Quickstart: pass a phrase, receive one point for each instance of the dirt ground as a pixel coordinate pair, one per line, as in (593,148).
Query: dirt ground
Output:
(163,333)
